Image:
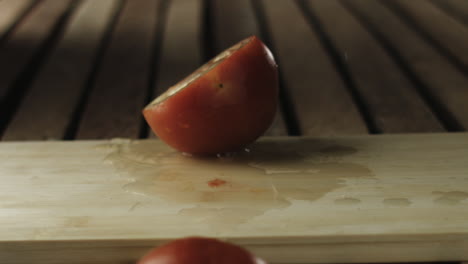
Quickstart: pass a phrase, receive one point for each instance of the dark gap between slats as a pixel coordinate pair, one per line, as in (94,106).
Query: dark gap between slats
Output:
(451,11)
(153,63)
(444,116)
(72,127)
(341,67)
(426,36)
(285,101)
(19,20)
(23,82)
(207,35)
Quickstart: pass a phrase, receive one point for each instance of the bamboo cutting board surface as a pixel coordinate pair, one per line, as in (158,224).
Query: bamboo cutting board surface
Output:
(291,200)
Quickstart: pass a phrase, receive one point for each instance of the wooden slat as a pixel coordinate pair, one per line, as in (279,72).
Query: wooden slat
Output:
(441,78)
(360,199)
(392,101)
(114,106)
(10,11)
(21,46)
(447,32)
(320,97)
(458,8)
(232,22)
(48,108)
(181,51)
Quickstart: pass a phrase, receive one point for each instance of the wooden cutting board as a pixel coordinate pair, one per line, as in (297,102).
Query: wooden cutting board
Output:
(290,200)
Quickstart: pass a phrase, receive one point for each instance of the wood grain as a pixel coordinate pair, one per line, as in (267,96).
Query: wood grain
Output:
(392,198)
(10,12)
(443,80)
(18,50)
(393,102)
(443,29)
(181,51)
(319,95)
(49,106)
(119,94)
(233,21)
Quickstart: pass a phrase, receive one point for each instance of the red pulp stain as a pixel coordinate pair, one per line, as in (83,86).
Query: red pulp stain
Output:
(216,183)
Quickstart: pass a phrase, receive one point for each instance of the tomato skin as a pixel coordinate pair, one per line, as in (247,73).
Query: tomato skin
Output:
(198,250)
(224,109)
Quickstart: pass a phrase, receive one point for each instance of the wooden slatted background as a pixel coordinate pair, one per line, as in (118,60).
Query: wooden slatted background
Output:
(85,69)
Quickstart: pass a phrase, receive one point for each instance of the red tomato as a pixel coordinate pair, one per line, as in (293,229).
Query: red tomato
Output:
(197,250)
(223,106)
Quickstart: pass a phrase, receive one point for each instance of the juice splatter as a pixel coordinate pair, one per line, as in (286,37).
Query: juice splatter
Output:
(216,182)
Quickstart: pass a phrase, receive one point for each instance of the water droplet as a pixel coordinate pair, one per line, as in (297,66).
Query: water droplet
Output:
(450,198)
(272,169)
(105,146)
(226,155)
(273,174)
(338,150)
(397,201)
(134,206)
(347,201)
